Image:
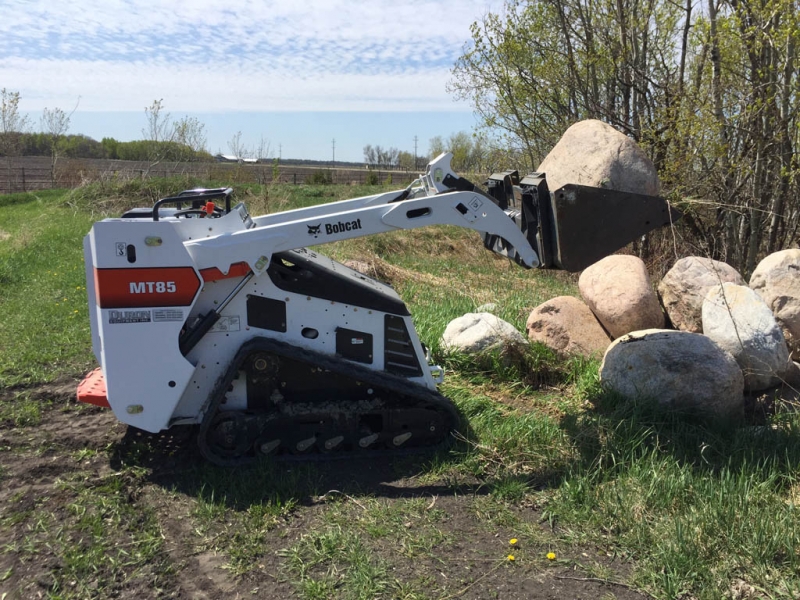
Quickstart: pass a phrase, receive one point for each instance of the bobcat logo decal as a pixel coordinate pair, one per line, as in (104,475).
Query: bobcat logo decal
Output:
(313,229)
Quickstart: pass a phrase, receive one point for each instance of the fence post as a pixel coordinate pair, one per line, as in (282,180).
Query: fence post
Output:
(294,176)
(23,180)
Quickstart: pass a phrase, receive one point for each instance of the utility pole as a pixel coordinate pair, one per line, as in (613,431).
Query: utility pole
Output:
(415,153)
(333,146)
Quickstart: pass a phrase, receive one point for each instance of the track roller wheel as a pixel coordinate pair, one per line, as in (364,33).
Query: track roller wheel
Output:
(227,436)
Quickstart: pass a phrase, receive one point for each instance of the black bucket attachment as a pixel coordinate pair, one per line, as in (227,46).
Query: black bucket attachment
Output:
(576,225)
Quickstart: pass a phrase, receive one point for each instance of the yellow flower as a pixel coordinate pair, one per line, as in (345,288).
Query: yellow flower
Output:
(511,557)
(512,541)
(551,556)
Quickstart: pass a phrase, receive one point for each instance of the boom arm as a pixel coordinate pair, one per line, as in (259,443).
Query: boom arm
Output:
(570,228)
(352,219)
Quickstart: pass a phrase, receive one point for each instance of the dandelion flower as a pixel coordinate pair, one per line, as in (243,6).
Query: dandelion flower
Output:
(511,557)
(551,556)
(512,541)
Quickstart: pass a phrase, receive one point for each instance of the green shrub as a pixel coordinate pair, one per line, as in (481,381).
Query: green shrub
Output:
(320,178)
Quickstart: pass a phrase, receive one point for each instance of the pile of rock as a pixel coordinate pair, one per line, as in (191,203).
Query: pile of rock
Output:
(726,338)
(729,338)
(698,341)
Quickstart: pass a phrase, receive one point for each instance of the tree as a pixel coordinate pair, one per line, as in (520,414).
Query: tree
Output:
(370,155)
(12,123)
(468,151)
(264,149)
(12,127)
(405,160)
(159,129)
(237,147)
(436,146)
(710,95)
(189,132)
(377,156)
(54,124)
(180,140)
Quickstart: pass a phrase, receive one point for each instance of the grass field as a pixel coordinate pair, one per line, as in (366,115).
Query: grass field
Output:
(603,498)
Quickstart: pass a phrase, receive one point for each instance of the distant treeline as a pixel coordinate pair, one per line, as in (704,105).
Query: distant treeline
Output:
(81,146)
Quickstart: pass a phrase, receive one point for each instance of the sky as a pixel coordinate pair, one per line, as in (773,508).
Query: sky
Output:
(297,73)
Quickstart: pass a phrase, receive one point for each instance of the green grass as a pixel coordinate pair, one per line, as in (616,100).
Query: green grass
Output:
(44,330)
(233,513)
(693,506)
(20,410)
(105,543)
(354,546)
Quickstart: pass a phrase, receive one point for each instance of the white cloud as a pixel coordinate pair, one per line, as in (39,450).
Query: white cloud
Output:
(207,55)
(110,85)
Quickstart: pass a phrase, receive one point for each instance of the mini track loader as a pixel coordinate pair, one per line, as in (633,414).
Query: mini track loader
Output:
(203,315)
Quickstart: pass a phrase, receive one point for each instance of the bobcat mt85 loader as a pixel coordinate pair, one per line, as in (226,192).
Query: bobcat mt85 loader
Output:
(203,315)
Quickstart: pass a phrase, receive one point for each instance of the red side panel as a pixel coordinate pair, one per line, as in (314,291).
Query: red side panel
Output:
(92,390)
(145,287)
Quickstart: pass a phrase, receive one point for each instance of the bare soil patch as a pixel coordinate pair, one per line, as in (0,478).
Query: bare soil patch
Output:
(79,486)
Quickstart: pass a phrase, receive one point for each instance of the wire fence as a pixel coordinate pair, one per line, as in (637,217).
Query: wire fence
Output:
(30,173)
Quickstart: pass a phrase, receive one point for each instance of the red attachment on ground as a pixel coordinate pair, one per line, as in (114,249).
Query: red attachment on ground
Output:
(92,390)
(209,208)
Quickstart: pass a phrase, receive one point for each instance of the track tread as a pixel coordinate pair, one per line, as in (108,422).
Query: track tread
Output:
(379,379)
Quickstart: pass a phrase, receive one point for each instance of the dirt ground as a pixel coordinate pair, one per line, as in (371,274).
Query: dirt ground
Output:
(78,457)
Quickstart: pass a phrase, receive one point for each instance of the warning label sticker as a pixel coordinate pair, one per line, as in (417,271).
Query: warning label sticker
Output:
(129,316)
(167,314)
(226,324)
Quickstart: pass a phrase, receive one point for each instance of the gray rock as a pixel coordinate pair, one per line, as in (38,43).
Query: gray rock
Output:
(792,376)
(478,332)
(680,370)
(777,281)
(740,322)
(594,153)
(685,286)
(568,326)
(618,291)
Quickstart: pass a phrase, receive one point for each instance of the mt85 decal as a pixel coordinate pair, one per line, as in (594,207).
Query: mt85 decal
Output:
(147,287)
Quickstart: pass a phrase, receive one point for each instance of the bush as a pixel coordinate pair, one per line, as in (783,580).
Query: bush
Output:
(372,178)
(320,178)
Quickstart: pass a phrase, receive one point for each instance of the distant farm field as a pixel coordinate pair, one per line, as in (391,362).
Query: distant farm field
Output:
(29,173)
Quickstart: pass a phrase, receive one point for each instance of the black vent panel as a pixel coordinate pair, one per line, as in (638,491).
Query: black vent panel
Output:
(399,356)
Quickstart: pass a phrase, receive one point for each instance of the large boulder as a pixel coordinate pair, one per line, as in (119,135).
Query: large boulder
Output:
(478,332)
(618,291)
(679,370)
(685,286)
(568,326)
(740,322)
(594,153)
(777,281)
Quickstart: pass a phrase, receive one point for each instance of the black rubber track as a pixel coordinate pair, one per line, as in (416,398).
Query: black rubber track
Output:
(411,393)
